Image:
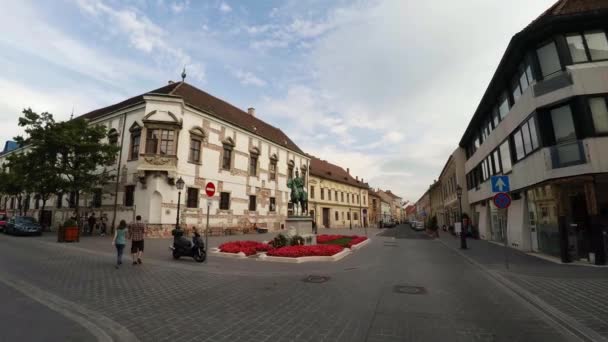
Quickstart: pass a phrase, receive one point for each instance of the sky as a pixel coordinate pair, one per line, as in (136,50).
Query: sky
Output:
(385,88)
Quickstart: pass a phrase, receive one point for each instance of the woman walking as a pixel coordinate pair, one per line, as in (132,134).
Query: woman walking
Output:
(120,240)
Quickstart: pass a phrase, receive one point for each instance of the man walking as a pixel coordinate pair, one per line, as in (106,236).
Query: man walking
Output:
(136,234)
(92,221)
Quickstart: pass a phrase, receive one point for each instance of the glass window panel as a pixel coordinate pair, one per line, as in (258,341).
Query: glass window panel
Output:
(515,89)
(577,48)
(549,60)
(597,44)
(569,153)
(599,112)
(525,131)
(496,118)
(484,170)
(496,158)
(529,74)
(533,133)
(519,145)
(503,108)
(477,142)
(505,157)
(491,170)
(489,128)
(563,126)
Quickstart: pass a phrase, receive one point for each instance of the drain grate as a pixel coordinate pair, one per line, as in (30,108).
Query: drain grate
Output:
(408,289)
(315,279)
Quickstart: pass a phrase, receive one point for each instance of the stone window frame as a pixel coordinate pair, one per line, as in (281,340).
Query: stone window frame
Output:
(135,131)
(197,197)
(113,136)
(129,186)
(198,134)
(291,165)
(229,201)
(254,153)
(272,175)
(175,126)
(227,144)
(255,203)
(272,207)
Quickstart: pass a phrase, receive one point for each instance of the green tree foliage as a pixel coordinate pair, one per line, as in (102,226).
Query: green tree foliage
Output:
(64,156)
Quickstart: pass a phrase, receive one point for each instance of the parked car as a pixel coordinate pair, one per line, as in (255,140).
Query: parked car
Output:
(23,225)
(3,219)
(417,225)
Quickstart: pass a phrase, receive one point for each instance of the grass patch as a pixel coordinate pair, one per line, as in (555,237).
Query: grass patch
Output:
(340,242)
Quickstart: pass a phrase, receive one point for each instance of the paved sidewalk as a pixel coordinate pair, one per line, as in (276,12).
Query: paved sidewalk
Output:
(580,292)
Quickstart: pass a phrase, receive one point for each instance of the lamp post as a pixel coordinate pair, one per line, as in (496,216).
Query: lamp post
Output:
(463,234)
(180,186)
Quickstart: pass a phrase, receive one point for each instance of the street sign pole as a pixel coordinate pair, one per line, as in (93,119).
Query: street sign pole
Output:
(207,232)
(502,200)
(506,246)
(210,191)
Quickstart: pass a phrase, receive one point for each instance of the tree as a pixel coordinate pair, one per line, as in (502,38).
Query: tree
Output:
(67,156)
(12,182)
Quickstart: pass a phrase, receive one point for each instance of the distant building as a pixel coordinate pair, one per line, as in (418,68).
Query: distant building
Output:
(335,198)
(9,146)
(374,207)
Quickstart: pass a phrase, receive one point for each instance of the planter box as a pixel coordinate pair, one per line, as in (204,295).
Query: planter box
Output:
(361,244)
(68,234)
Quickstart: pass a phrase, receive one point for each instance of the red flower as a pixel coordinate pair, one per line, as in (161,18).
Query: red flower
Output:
(301,251)
(354,239)
(247,247)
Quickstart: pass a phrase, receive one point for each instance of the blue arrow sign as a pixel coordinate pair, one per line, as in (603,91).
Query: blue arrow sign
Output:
(500,184)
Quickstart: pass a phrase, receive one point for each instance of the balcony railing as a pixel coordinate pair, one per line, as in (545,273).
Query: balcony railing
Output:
(568,154)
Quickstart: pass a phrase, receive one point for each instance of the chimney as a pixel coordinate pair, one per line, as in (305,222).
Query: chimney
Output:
(251,111)
(357,178)
(348,170)
(171,82)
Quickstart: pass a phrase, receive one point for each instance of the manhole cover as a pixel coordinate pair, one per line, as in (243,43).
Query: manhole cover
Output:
(407,289)
(317,279)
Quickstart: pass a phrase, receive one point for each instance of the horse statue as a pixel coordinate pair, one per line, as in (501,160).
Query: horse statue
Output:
(299,196)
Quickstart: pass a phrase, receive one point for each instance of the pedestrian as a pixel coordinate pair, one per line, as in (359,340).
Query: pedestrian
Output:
(103,223)
(136,234)
(120,240)
(92,221)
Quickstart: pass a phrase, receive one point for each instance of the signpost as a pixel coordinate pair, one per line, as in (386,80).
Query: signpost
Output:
(502,200)
(210,191)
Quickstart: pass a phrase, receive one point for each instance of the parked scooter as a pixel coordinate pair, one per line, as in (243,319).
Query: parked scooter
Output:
(183,247)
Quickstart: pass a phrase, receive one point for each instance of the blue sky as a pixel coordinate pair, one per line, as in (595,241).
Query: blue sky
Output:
(385,88)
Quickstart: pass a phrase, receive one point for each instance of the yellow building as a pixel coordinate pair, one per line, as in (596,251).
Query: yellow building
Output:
(335,198)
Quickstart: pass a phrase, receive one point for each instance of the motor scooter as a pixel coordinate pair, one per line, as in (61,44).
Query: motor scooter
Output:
(183,247)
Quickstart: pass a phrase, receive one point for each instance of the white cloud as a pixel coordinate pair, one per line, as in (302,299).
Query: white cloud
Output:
(248,78)
(224,7)
(143,34)
(178,7)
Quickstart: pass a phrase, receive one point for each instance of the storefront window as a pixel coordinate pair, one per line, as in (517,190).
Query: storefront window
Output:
(542,204)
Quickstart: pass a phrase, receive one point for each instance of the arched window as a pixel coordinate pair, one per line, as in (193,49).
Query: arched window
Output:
(113,136)
(197,136)
(290,167)
(135,141)
(272,169)
(254,154)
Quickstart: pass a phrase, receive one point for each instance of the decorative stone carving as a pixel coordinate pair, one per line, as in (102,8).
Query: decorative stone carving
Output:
(157,160)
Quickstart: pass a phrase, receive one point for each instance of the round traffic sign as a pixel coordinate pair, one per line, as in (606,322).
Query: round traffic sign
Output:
(502,200)
(210,189)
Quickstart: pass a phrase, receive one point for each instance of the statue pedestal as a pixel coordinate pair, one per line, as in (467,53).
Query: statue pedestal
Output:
(298,225)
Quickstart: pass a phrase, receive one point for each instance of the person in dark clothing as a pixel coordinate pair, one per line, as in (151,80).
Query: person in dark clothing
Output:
(92,221)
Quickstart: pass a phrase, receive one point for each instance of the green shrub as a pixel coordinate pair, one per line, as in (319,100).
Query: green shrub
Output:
(70,223)
(297,240)
(279,241)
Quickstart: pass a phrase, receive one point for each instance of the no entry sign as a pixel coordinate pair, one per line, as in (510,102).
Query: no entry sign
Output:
(210,189)
(502,200)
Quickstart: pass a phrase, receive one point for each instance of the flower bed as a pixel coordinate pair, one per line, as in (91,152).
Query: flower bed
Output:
(247,247)
(347,241)
(304,251)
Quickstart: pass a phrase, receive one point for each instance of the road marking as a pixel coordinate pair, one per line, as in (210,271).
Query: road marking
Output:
(563,322)
(104,329)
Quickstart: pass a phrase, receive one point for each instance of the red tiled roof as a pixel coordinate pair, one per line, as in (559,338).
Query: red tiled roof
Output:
(327,170)
(221,109)
(565,7)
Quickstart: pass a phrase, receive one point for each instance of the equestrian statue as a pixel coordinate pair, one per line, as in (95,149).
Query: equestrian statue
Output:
(299,197)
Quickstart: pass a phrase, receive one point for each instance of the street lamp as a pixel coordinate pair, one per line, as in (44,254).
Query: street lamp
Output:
(463,234)
(180,186)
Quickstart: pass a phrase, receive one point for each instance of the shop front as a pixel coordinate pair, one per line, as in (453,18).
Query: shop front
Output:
(568,218)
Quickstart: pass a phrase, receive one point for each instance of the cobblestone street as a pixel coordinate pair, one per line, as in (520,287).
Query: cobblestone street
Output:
(365,298)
